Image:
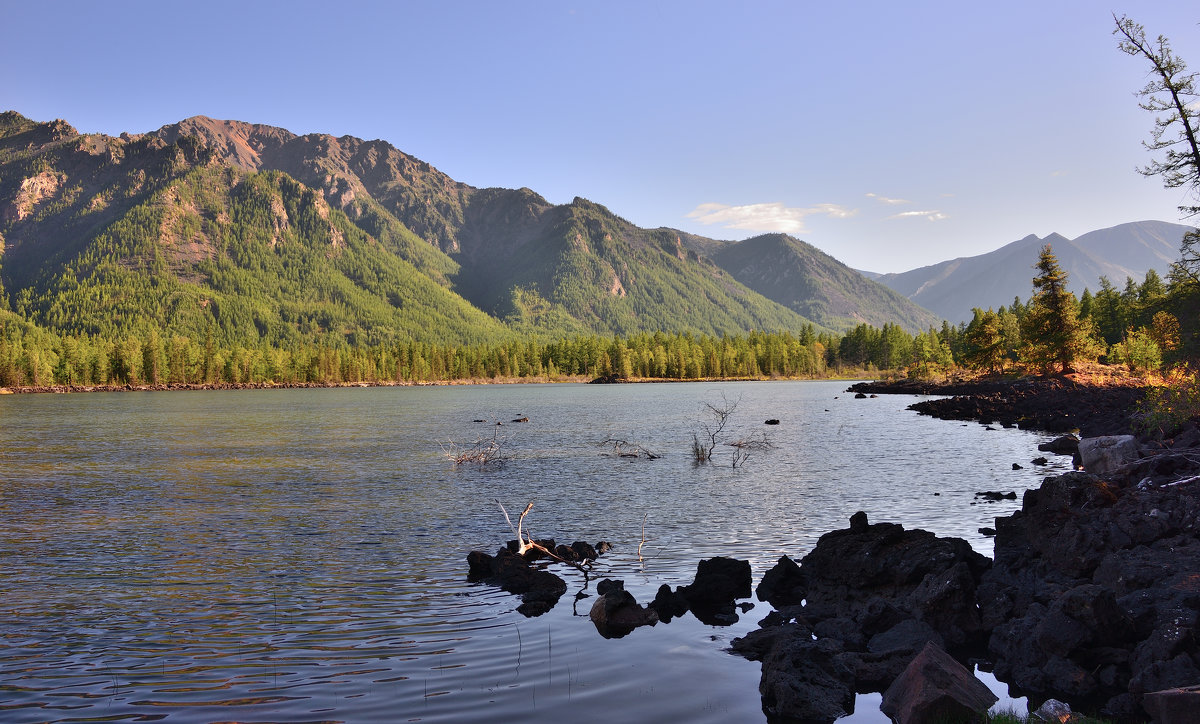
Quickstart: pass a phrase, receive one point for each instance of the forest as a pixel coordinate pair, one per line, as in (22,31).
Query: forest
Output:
(1136,326)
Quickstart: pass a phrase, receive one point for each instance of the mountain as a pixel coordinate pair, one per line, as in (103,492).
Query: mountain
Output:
(952,288)
(253,232)
(817,286)
(110,236)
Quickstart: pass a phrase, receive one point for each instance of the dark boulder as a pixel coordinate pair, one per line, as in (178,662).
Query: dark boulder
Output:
(607,585)
(782,585)
(802,679)
(616,613)
(1093,596)
(1062,445)
(909,637)
(539,588)
(881,574)
(719,582)
(936,688)
(669,605)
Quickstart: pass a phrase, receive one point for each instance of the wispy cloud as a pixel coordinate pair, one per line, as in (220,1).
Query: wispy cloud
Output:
(886,200)
(766,217)
(931,215)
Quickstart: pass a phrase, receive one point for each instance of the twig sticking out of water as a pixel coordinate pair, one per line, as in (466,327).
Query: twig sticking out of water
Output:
(522,545)
(742,448)
(644,517)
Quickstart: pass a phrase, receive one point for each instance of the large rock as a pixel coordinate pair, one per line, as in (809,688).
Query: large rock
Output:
(539,588)
(936,688)
(616,613)
(862,571)
(1103,456)
(856,610)
(1061,445)
(719,582)
(803,679)
(1093,596)
(1174,706)
(782,585)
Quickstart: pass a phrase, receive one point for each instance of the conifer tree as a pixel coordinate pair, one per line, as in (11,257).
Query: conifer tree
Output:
(1053,332)
(985,342)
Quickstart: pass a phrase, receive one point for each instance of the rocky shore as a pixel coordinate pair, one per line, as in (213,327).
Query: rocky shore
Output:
(1055,404)
(1093,596)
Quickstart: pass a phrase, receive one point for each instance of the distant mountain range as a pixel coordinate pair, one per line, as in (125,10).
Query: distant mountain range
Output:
(951,288)
(260,234)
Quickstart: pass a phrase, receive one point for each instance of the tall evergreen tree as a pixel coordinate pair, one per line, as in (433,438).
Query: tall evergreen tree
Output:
(1052,329)
(985,342)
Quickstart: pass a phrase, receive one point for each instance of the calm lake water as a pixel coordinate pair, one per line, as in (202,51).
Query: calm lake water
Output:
(300,555)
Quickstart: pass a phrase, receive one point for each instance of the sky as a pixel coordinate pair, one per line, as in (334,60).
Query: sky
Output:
(889,135)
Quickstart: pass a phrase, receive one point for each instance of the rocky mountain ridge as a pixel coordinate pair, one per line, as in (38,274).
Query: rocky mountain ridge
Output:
(71,200)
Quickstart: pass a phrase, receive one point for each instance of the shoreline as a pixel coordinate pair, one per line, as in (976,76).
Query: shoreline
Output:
(1050,404)
(220,386)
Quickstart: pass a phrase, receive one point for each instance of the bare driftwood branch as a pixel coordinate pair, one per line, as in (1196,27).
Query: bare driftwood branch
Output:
(482,452)
(1185,481)
(743,447)
(527,543)
(626,449)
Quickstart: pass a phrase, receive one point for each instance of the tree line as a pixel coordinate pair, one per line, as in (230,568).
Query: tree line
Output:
(1138,327)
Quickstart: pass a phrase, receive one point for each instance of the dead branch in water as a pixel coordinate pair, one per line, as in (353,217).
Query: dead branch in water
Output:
(644,517)
(702,450)
(483,452)
(742,448)
(521,544)
(527,543)
(626,449)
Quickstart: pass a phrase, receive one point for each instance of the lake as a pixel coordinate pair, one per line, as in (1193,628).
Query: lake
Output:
(300,555)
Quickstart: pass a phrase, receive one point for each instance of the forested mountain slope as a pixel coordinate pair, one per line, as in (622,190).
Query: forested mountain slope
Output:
(256,234)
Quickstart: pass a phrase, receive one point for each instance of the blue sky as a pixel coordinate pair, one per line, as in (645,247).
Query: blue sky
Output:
(890,135)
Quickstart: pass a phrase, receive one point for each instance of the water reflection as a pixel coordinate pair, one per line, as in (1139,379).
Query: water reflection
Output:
(300,555)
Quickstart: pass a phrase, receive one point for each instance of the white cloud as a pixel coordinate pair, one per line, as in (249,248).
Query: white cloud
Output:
(931,215)
(765,217)
(886,200)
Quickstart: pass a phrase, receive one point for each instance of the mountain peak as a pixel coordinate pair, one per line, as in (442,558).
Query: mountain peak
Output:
(238,142)
(951,288)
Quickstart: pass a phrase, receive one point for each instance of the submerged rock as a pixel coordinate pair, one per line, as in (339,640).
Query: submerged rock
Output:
(539,588)
(719,582)
(517,573)
(616,613)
